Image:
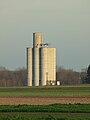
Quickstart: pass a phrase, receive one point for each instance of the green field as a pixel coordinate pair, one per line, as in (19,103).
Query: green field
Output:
(44,116)
(63,108)
(46,91)
(46,112)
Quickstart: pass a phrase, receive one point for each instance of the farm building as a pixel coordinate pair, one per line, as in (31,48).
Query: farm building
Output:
(41,63)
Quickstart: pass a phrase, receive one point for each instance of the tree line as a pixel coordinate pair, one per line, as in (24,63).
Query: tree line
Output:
(65,76)
(12,78)
(68,76)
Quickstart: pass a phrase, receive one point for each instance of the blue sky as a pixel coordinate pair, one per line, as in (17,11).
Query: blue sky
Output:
(65,24)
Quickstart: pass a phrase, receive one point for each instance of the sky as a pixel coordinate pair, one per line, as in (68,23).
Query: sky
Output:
(65,24)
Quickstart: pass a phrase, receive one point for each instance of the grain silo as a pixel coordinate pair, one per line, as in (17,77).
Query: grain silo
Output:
(29,66)
(37,40)
(51,66)
(36,66)
(41,63)
(43,68)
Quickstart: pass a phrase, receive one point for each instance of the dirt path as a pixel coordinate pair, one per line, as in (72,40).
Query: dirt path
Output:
(44,100)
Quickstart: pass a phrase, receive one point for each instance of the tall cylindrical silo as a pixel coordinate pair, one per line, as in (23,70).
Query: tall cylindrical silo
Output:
(37,40)
(51,65)
(36,66)
(37,44)
(43,70)
(54,64)
(29,66)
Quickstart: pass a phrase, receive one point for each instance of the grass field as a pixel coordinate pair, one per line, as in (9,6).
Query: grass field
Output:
(63,108)
(46,91)
(44,116)
(43,112)
(44,96)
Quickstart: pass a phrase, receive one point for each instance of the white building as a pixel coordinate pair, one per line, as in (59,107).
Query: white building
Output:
(41,63)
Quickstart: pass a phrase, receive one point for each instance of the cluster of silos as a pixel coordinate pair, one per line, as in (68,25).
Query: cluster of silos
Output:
(41,63)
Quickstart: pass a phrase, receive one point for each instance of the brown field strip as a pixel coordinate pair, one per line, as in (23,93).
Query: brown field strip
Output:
(44,100)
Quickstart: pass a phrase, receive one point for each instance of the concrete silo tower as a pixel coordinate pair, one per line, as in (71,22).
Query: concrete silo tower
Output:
(41,63)
(33,60)
(43,66)
(29,66)
(37,43)
(37,40)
